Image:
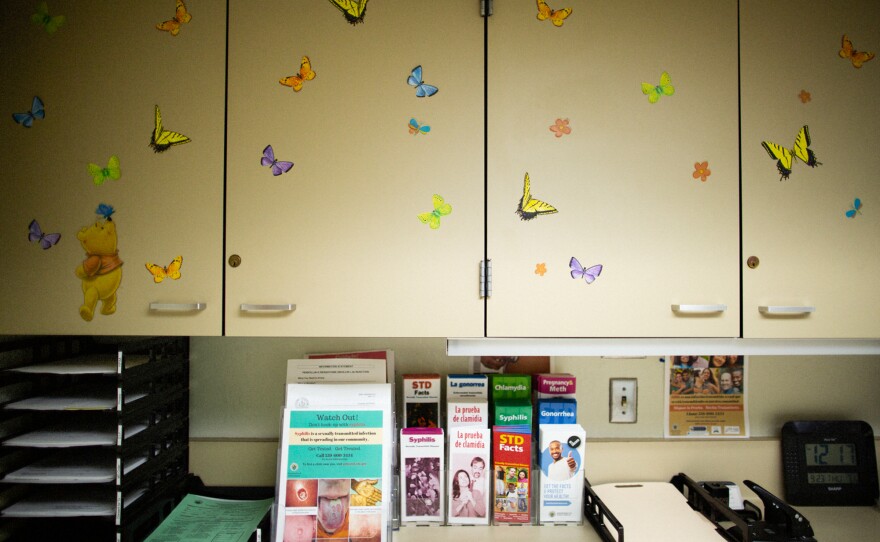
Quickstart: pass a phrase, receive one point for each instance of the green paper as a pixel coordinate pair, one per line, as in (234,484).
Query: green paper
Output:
(205,519)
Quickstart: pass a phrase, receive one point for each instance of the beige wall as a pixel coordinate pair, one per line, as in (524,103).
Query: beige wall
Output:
(237,392)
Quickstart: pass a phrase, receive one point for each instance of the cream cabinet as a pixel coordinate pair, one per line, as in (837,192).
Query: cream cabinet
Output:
(623,179)
(100,76)
(334,246)
(815,270)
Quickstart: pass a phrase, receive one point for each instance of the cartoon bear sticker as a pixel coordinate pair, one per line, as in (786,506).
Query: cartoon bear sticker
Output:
(101,270)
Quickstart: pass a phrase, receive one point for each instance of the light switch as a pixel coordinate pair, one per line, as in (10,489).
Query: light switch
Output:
(623,398)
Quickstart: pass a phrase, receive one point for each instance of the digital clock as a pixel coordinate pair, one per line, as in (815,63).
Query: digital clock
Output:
(829,463)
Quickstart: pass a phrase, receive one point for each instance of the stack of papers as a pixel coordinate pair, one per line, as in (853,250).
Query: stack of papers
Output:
(70,501)
(83,365)
(87,466)
(86,430)
(655,512)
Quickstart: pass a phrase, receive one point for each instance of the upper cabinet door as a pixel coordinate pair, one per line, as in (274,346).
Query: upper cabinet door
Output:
(335,245)
(804,93)
(642,168)
(98,76)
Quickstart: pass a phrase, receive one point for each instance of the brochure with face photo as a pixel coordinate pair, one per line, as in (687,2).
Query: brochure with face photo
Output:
(561,492)
(470,481)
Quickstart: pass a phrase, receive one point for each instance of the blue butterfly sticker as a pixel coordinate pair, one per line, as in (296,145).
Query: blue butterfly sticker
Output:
(856,209)
(37,112)
(105,210)
(415,128)
(423,89)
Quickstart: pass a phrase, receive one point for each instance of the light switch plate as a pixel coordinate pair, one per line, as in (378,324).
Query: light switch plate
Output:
(623,400)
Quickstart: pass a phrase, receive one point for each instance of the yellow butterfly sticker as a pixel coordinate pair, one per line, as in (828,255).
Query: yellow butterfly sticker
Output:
(354,10)
(441,208)
(530,207)
(857,57)
(162,139)
(305,74)
(557,17)
(171,271)
(785,157)
(172,26)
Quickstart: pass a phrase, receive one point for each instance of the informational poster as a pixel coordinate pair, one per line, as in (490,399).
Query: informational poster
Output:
(706,397)
(334,476)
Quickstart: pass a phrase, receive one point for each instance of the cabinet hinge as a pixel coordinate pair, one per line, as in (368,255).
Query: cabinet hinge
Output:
(485,279)
(486,7)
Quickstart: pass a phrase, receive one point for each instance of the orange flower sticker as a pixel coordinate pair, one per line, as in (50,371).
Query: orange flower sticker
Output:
(805,96)
(560,128)
(701,170)
(540,269)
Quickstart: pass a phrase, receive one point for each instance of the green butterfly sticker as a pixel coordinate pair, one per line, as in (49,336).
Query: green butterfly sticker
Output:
(665,88)
(101,174)
(49,22)
(441,208)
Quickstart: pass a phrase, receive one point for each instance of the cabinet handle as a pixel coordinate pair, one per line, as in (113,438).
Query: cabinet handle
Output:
(785,310)
(288,307)
(698,309)
(178,307)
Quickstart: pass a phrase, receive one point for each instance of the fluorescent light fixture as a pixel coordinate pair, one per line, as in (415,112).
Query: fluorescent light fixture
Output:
(658,347)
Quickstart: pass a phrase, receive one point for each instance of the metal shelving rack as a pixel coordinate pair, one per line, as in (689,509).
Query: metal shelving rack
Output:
(94,436)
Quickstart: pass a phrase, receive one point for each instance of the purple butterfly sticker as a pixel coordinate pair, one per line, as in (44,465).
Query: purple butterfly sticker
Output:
(47,240)
(589,274)
(278,166)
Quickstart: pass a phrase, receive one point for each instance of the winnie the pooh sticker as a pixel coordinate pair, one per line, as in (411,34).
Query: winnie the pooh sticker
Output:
(101,270)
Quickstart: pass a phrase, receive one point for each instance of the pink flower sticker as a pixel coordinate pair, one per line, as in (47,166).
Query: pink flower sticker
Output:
(560,128)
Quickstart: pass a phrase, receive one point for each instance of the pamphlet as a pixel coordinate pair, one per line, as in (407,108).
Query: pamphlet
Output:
(421,476)
(333,370)
(464,413)
(561,458)
(464,386)
(511,456)
(386,356)
(421,400)
(469,479)
(334,475)
(555,385)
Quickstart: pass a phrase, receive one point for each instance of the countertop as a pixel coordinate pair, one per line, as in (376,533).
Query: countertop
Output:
(830,524)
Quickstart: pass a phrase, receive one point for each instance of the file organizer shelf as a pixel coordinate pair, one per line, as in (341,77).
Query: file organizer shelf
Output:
(94,436)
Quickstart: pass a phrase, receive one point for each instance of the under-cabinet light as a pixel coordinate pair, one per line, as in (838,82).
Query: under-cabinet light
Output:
(658,347)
